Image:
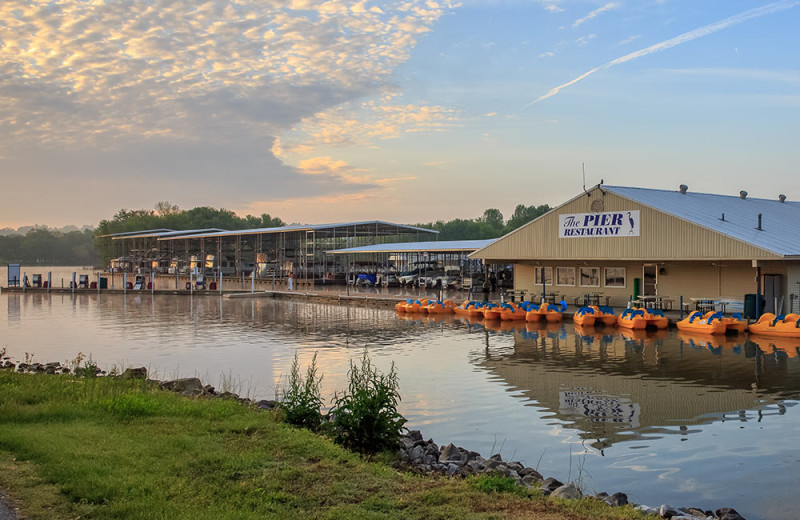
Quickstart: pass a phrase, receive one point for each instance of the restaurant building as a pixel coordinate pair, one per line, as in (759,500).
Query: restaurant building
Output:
(614,244)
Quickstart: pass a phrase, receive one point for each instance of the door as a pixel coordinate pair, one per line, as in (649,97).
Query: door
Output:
(773,293)
(650,285)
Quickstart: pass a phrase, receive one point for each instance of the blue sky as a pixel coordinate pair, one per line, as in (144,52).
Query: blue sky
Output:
(407,111)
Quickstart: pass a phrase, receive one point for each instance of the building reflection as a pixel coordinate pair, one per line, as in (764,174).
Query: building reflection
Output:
(620,385)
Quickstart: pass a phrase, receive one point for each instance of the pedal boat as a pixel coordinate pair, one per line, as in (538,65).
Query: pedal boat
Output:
(786,326)
(710,323)
(585,317)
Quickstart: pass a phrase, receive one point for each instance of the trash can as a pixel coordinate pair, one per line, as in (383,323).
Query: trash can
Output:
(103,283)
(750,306)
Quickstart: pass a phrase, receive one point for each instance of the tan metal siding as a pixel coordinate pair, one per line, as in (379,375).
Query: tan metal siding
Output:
(663,237)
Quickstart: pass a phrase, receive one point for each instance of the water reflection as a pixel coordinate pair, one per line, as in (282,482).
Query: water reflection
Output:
(617,386)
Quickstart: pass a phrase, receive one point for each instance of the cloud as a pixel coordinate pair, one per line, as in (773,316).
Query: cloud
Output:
(678,40)
(597,12)
(548,54)
(584,40)
(161,83)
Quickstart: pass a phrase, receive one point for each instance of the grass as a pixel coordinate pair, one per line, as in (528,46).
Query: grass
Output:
(121,449)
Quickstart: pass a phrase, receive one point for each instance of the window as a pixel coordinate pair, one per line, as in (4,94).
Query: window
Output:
(548,276)
(590,277)
(565,276)
(615,277)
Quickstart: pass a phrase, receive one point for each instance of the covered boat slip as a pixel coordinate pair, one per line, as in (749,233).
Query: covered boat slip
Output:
(612,245)
(269,255)
(426,264)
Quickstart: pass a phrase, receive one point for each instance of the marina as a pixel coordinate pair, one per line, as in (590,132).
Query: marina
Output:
(663,415)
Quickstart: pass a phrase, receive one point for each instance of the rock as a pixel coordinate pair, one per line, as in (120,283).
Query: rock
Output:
(727,513)
(452,454)
(187,384)
(477,465)
(266,405)
(228,395)
(569,491)
(617,500)
(496,457)
(550,484)
(135,373)
(524,472)
(416,454)
(414,435)
(209,390)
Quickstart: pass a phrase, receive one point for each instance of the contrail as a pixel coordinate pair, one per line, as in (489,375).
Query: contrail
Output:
(683,38)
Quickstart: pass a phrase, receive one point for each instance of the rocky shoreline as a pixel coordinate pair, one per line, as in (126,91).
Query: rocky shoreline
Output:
(416,454)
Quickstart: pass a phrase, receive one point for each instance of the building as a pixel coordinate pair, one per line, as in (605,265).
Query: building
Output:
(613,244)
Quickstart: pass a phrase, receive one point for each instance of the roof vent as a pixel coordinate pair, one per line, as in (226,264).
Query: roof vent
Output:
(683,189)
(782,197)
(742,194)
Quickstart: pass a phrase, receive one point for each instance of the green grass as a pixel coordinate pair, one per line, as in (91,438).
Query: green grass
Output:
(109,448)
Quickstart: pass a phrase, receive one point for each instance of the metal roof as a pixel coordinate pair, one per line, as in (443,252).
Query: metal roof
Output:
(129,233)
(780,221)
(445,246)
(162,233)
(302,227)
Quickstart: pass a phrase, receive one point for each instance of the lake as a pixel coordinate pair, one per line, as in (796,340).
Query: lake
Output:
(663,416)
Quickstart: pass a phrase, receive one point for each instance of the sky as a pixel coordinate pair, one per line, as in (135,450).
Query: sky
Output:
(407,111)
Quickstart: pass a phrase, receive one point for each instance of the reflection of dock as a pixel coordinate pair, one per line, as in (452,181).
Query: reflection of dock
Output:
(621,386)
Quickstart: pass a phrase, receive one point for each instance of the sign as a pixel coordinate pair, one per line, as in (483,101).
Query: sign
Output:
(608,224)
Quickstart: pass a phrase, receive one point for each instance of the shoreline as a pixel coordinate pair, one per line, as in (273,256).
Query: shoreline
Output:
(415,454)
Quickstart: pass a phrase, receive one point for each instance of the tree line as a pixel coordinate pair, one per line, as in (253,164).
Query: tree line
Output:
(489,225)
(43,246)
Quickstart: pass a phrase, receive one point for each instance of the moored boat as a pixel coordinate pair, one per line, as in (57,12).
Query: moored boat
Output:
(632,319)
(782,325)
(585,317)
(512,312)
(605,314)
(710,323)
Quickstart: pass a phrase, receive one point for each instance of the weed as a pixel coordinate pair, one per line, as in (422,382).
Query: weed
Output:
(365,417)
(498,484)
(300,399)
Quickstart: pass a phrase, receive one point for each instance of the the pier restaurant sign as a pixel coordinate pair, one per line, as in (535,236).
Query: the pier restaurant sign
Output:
(608,224)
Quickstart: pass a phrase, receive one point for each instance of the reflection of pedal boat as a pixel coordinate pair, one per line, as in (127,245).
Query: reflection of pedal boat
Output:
(591,334)
(551,312)
(642,318)
(777,344)
(642,335)
(770,325)
(503,325)
(710,341)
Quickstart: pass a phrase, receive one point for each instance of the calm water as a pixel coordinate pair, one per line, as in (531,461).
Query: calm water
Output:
(665,417)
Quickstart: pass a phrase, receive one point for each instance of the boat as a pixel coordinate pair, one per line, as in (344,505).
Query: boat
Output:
(411,305)
(734,322)
(787,326)
(552,313)
(585,317)
(708,323)
(655,318)
(491,311)
(632,319)
(465,306)
(604,314)
(512,312)
(440,307)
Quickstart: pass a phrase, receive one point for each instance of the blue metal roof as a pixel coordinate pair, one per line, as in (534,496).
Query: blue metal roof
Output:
(780,221)
(445,246)
(163,233)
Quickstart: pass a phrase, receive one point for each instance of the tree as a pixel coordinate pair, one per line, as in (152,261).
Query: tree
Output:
(524,214)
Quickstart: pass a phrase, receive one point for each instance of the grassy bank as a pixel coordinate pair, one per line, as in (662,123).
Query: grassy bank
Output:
(112,448)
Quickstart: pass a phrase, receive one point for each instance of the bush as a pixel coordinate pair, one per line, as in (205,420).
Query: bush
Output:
(365,416)
(300,399)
